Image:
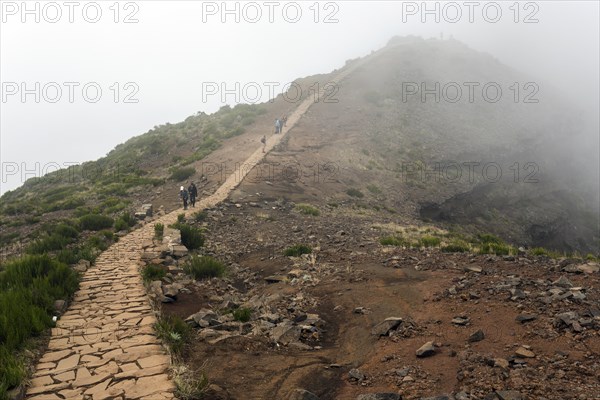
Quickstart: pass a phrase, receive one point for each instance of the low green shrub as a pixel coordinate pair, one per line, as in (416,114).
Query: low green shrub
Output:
(28,288)
(489,238)
(540,251)
(499,249)
(354,193)
(191,237)
(457,246)
(12,371)
(242,314)
(153,272)
(181,174)
(430,241)
(159,230)
(202,267)
(307,209)
(394,241)
(95,222)
(374,189)
(65,230)
(174,332)
(200,216)
(124,222)
(48,244)
(297,250)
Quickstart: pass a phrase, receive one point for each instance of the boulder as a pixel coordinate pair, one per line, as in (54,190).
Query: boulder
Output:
(60,306)
(202,315)
(82,266)
(426,350)
(178,251)
(524,353)
(355,374)
(477,336)
(522,318)
(462,321)
(147,209)
(383,328)
(562,282)
(567,318)
(171,291)
(215,392)
(285,333)
(501,363)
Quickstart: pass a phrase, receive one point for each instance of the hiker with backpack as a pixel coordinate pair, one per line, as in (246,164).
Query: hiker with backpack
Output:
(277,126)
(193,191)
(183,193)
(263,140)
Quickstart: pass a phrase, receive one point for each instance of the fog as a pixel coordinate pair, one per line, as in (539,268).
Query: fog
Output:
(163,61)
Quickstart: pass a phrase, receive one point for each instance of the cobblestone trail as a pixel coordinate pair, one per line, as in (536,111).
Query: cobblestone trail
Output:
(104,346)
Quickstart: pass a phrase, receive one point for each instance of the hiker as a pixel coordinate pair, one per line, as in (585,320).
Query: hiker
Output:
(193,191)
(277,126)
(183,193)
(263,140)
(284,119)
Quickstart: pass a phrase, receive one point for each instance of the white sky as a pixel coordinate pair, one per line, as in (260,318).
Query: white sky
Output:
(177,46)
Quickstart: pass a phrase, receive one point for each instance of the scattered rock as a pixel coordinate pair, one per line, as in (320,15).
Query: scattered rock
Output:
(171,291)
(60,306)
(82,266)
(275,279)
(473,268)
(383,328)
(501,363)
(462,321)
(563,282)
(477,336)
(215,392)
(522,318)
(178,251)
(426,350)
(356,375)
(524,353)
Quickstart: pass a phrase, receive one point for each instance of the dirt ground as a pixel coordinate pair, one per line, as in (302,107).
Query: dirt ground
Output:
(355,283)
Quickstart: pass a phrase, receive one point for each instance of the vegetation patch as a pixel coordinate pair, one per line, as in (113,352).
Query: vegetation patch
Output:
(456,246)
(242,314)
(352,192)
(95,222)
(191,237)
(394,241)
(203,267)
(28,288)
(430,241)
(153,272)
(174,332)
(307,209)
(297,250)
(181,174)
(159,230)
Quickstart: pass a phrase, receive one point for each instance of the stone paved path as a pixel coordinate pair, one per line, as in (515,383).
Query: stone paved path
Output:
(104,346)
